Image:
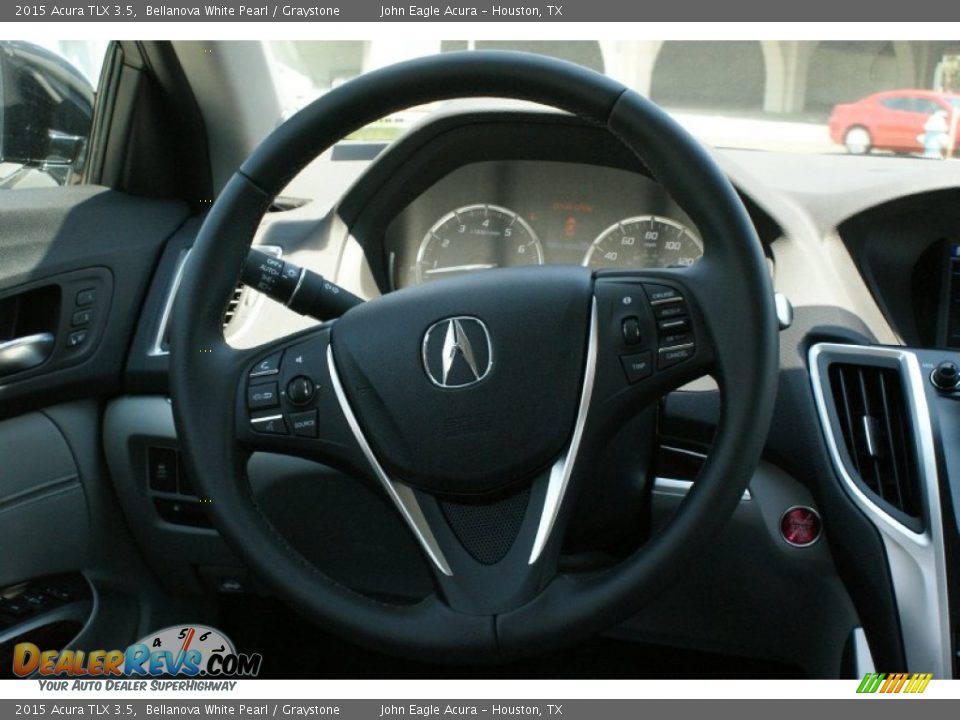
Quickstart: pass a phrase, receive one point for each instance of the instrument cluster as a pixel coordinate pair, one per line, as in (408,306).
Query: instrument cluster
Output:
(506,213)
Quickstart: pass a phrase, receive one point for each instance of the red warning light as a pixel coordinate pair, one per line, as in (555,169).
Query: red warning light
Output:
(570,227)
(800,526)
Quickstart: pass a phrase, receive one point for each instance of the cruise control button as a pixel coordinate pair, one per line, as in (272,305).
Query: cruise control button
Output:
(661,293)
(631,331)
(300,390)
(670,310)
(272,425)
(637,367)
(304,424)
(268,366)
(670,356)
(262,396)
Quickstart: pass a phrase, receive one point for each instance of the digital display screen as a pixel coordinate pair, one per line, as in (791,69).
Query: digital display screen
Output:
(952,299)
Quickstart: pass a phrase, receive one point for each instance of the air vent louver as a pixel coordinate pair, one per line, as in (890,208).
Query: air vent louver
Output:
(876,430)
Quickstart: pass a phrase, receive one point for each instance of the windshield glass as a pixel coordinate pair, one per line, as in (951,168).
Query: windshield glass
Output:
(886,98)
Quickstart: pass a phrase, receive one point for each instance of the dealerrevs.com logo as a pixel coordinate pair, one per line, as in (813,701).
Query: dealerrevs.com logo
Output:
(888,683)
(180,651)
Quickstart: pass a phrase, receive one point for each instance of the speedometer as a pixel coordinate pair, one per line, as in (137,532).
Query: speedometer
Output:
(476,237)
(645,241)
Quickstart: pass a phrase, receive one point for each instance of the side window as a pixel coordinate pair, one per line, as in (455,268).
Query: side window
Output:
(46,110)
(926,106)
(898,103)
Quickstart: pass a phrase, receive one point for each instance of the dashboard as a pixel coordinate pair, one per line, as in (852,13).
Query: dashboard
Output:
(522,212)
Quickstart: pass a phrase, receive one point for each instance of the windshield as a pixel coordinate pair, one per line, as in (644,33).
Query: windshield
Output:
(795,96)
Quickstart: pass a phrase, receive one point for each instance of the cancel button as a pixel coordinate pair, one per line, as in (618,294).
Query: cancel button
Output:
(304,424)
(670,356)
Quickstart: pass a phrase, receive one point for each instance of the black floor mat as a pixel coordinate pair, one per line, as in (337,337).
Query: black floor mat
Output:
(292,648)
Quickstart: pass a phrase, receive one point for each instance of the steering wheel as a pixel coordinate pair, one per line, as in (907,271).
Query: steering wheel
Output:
(479,405)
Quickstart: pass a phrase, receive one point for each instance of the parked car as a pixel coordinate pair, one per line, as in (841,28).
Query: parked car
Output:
(892,120)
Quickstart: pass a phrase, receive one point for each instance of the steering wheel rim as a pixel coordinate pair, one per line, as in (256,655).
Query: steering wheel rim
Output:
(205,371)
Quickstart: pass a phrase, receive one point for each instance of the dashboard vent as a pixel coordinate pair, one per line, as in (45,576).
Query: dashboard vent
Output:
(875,424)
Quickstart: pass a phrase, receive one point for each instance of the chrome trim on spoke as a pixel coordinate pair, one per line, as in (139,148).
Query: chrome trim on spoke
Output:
(402,495)
(680,488)
(916,560)
(563,468)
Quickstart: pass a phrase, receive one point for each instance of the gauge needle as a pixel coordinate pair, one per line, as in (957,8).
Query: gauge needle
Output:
(461,268)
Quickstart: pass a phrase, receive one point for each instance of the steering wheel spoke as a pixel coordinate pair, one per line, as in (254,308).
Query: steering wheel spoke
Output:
(651,338)
(287,403)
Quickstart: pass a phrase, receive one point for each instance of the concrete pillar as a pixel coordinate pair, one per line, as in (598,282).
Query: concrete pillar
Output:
(631,62)
(906,64)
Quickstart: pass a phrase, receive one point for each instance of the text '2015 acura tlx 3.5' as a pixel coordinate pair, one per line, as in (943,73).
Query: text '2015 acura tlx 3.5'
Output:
(508,359)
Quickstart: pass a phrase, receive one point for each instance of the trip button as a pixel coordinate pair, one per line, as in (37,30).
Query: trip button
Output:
(670,356)
(262,396)
(270,365)
(81,317)
(304,424)
(637,367)
(271,425)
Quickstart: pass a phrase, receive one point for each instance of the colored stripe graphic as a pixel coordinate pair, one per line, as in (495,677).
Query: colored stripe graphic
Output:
(894,683)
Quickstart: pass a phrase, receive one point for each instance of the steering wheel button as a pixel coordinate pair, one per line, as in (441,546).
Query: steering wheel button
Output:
(271,425)
(637,367)
(661,294)
(300,390)
(304,424)
(270,365)
(262,396)
(674,325)
(670,356)
(677,338)
(672,309)
(631,331)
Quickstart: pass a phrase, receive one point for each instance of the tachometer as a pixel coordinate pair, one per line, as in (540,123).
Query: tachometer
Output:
(645,241)
(476,237)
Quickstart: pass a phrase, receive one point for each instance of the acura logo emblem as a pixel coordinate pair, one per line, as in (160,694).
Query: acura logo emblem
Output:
(457,352)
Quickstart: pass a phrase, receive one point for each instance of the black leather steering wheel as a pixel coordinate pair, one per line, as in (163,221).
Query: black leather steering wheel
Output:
(479,405)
